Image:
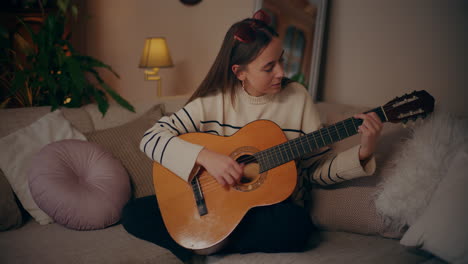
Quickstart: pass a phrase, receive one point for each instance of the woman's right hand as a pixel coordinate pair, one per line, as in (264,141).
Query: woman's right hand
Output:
(223,168)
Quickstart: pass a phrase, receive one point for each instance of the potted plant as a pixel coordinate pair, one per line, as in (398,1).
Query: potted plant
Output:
(53,72)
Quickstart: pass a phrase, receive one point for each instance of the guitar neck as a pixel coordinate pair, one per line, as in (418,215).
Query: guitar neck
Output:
(296,148)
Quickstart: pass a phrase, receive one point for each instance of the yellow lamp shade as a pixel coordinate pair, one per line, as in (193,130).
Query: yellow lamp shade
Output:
(155,54)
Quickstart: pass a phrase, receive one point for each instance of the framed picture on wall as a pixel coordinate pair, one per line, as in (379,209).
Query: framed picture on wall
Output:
(300,25)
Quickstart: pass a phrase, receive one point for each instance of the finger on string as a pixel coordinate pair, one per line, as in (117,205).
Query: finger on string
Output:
(371,126)
(221,180)
(363,129)
(376,119)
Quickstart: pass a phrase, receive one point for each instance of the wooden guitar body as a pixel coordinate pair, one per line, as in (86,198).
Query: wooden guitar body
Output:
(225,206)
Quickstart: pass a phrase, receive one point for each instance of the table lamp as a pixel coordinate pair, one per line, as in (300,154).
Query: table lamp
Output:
(155,55)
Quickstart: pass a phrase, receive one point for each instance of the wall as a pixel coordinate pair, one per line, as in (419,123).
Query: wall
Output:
(378,50)
(116,30)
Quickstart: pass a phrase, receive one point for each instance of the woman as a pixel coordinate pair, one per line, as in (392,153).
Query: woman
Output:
(246,83)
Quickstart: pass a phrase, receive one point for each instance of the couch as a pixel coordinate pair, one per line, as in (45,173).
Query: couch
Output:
(351,229)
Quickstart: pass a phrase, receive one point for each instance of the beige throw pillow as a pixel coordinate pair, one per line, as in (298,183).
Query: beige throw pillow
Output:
(349,206)
(19,147)
(124,143)
(441,229)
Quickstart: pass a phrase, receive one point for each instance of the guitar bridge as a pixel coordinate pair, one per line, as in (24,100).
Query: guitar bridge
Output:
(199,198)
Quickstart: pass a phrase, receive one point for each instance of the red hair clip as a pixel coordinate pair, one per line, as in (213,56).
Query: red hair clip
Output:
(246,31)
(262,16)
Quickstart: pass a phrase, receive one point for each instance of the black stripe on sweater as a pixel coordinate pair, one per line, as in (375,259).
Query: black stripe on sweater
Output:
(329,168)
(154,147)
(175,129)
(293,130)
(223,125)
(211,131)
(318,154)
(237,127)
(193,123)
(186,130)
(144,148)
(162,153)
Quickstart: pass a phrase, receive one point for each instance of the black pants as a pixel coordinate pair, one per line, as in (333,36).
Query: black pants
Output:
(283,227)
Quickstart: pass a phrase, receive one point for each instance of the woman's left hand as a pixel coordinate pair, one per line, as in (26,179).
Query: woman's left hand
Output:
(370,132)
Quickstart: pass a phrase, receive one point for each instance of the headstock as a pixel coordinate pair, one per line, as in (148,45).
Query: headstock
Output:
(417,104)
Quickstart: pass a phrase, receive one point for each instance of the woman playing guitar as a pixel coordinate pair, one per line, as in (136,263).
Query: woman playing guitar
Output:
(246,83)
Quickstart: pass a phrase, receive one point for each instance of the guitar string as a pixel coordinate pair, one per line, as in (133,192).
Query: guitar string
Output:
(305,139)
(210,181)
(210,184)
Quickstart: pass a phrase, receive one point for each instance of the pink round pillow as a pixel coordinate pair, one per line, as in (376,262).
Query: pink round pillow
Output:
(79,184)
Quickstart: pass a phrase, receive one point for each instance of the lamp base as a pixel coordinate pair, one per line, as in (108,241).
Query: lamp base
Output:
(153,76)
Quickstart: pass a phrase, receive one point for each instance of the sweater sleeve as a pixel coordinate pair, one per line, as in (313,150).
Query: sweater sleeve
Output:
(325,167)
(162,144)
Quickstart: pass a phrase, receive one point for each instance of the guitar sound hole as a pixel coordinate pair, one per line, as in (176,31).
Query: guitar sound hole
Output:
(251,169)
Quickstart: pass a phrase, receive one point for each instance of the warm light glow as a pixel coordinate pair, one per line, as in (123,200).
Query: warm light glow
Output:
(155,54)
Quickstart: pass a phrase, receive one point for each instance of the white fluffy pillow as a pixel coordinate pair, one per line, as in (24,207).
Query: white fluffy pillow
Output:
(18,148)
(441,229)
(411,177)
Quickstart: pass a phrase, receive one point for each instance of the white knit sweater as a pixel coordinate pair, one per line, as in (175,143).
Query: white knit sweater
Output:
(292,109)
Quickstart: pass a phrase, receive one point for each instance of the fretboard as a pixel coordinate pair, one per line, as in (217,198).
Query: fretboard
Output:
(298,147)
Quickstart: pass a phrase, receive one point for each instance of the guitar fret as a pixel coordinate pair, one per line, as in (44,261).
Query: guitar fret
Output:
(304,151)
(294,150)
(270,159)
(324,144)
(308,143)
(344,125)
(283,160)
(289,157)
(329,135)
(313,136)
(276,156)
(355,128)
(337,132)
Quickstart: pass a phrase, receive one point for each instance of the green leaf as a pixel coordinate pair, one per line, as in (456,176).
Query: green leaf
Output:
(18,82)
(77,75)
(124,103)
(63,5)
(24,45)
(74,11)
(5,103)
(101,100)
(92,63)
(299,77)
(28,29)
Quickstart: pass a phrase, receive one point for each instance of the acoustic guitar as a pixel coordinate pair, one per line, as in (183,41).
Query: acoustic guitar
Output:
(201,214)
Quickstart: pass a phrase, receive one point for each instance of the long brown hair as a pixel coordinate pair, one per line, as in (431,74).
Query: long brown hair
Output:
(233,51)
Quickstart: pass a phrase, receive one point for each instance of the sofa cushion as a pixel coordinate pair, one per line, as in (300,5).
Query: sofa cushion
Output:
(10,214)
(433,231)
(334,248)
(116,115)
(17,118)
(20,146)
(55,244)
(413,173)
(124,143)
(79,184)
(349,206)
(14,119)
